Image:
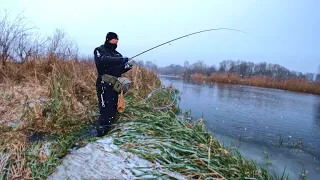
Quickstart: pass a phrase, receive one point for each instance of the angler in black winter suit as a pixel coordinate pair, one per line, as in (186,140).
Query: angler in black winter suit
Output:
(108,61)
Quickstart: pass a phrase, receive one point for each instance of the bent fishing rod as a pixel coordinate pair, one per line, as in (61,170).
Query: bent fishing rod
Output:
(159,89)
(187,36)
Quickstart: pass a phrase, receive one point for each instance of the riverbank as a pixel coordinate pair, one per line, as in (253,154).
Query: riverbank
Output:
(54,101)
(295,85)
(170,148)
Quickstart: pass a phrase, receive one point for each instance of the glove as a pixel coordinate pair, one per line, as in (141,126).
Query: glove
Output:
(125,60)
(128,65)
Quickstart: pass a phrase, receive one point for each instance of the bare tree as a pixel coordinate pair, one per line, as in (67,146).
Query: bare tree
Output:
(210,70)
(151,66)
(30,46)
(23,48)
(318,75)
(39,47)
(223,67)
(62,46)
(309,76)
(10,34)
(199,67)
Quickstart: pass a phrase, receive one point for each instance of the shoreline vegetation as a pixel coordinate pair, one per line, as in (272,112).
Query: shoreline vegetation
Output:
(243,73)
(294,85)
(48,98)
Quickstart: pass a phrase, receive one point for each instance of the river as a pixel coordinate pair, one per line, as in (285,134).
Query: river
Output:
(278,129)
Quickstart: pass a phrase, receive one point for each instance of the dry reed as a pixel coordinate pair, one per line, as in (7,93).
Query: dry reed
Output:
(296,85)
(50,95)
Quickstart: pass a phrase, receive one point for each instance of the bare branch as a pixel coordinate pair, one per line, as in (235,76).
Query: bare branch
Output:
(12,35)
(62,46)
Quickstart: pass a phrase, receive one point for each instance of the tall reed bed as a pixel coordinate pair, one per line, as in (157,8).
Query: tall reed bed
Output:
(52,97)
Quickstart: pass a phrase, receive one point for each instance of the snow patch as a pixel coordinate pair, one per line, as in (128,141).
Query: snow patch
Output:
(104,160)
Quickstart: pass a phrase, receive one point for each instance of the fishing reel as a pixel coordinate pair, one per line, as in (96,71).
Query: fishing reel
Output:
(122,85)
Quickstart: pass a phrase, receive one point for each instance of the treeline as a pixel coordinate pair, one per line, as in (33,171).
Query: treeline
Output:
(241,68)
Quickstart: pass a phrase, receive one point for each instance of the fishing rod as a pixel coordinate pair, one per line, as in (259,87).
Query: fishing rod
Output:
(187,36)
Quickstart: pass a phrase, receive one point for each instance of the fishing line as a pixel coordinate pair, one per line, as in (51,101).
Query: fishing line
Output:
(187,36)
(161,89)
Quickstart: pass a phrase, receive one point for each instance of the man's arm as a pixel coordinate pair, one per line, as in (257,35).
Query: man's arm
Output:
(104,59)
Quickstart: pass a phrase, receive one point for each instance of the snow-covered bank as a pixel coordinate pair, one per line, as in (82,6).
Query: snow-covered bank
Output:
(104,160)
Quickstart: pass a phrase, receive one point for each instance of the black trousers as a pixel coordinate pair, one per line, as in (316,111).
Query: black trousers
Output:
(108,103)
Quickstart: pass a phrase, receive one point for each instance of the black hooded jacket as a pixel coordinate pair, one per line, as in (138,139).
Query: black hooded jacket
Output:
(109,61)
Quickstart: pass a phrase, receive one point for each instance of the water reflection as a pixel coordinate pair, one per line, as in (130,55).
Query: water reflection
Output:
(196,89)
(211,92)
(220,91)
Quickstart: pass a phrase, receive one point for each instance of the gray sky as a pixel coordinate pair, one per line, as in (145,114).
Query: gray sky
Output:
(285,32)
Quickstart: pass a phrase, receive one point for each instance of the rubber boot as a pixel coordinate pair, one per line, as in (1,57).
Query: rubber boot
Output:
(102,130)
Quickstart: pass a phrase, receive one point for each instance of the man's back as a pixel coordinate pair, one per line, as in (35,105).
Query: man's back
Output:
(106,61)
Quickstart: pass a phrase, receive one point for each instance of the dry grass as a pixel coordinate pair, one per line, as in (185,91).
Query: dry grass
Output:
(53,96)
(199,77)
(143,81)
(296,85)
(12,157)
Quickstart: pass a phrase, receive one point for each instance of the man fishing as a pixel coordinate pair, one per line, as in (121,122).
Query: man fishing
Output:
(110,65)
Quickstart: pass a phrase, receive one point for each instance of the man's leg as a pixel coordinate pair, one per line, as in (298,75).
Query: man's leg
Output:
(107,109)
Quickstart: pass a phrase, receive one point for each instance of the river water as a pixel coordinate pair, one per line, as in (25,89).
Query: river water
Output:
(278,129)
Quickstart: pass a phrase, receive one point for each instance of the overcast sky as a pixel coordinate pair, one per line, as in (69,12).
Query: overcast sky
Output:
(285,32)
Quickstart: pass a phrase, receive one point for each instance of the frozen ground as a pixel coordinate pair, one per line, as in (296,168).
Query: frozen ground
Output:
(104,160)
